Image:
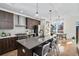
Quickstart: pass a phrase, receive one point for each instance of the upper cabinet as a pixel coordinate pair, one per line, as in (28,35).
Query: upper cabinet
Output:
(6,20)
(31,22)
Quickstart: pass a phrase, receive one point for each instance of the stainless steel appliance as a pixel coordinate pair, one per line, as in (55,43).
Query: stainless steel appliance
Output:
(21,36)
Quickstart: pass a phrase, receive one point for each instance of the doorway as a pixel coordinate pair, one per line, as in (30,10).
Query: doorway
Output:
(77,34)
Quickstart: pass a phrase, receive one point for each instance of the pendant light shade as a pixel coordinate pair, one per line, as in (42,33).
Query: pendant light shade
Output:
(50,12)
(36,13)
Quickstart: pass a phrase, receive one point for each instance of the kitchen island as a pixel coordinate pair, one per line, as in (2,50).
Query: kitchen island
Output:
(26,46)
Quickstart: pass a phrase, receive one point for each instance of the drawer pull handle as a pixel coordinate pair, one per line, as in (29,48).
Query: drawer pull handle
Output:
(23,50)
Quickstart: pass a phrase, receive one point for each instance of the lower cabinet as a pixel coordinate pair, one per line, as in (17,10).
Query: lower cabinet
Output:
(22,51)
(8,44)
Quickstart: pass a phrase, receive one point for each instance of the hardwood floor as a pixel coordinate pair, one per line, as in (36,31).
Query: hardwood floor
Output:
(12,53)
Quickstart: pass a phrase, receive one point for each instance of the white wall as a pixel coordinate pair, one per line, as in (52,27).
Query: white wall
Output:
(70,25)
(16,29)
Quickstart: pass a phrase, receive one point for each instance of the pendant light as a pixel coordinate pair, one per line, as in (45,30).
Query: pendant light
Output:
(36,13)
(50,14)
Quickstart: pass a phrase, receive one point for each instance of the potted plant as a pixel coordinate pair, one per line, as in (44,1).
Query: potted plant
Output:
(3,34)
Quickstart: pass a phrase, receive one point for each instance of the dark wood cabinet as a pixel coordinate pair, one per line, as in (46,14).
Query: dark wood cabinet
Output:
(31,22)
(6,20)
(8,44)
(22,51)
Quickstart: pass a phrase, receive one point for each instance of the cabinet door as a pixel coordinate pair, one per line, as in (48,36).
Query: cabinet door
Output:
(6,20)
(3,45)
(1,16)
(12,43)
(7,44)
(31,22)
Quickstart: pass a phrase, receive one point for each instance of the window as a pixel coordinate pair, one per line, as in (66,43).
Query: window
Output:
(57,26)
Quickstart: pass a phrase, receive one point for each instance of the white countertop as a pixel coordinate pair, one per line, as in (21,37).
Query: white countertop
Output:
(7,36)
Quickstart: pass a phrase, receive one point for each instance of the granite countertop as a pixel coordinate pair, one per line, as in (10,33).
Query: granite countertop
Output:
(7,36)
(32,42)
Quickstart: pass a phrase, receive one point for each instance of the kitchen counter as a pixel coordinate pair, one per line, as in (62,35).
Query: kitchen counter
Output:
(26,46)
(32,42)
(7,36)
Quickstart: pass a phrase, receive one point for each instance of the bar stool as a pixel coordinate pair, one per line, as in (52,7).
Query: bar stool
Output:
(55,48)
(42,51)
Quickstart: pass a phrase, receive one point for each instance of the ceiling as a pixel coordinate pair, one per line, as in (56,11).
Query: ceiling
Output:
(29,9)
